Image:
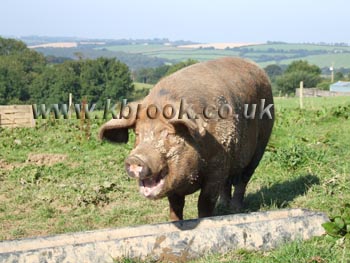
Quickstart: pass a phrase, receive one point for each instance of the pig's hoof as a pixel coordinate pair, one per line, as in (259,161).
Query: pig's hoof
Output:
(236,207)
(222,209)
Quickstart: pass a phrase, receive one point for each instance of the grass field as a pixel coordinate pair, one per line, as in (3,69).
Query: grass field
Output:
(141,90)
(57,177)
(141,86)
(174,53)
(326,60)
(292,47)
(152,55)
(262,47)
(262,54)
(139,48)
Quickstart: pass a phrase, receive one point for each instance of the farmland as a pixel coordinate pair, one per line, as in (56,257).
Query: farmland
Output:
(57,177)
(264,54)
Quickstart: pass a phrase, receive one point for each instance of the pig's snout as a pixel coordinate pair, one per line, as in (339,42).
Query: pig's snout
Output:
(137,168)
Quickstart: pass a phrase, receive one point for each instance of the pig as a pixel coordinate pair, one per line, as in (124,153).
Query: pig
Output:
(198,148)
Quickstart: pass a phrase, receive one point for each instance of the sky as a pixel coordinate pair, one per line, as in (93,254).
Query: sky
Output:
(200,21)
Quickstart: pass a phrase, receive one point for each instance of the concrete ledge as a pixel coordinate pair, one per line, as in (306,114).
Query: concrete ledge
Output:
(174,241)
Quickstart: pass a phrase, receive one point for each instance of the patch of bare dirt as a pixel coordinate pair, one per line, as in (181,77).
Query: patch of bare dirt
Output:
(6,166)
(3,198)
(45,158)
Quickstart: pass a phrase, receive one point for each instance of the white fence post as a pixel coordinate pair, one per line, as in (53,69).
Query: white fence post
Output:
(301,91)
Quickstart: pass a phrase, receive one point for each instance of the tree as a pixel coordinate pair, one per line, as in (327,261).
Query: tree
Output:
(11,46)
(273,71)
(153,75)
(19,66)
(97,80)
(338,76)
(13,82)
(303,65)
(298,71)
(287,83)
(180,65)
(55,83)
(25,76)
(105,78)
(324,84)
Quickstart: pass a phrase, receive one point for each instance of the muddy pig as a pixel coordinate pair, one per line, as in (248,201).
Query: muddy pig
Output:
(205,127)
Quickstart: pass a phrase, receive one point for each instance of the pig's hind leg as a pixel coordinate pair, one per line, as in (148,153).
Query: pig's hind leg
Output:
(241,185)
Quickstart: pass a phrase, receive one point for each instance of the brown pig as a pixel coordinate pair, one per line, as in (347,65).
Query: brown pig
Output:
(205,128)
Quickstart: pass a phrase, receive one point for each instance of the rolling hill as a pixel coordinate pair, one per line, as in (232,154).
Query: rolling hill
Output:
(151,53)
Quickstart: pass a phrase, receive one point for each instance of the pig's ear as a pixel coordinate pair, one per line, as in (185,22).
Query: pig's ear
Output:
(116,130)
(194,126)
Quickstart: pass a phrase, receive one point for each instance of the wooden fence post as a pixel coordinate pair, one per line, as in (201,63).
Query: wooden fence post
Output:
(301,91)
(70,105)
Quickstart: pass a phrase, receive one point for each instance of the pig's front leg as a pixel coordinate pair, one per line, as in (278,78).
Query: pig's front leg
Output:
(207,198)
(176,204)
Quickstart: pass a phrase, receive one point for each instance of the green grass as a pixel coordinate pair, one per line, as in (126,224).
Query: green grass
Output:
(140,86)
(326,60)
(306,165)
(200,56)
(283,53)
(314,251)
(173,53)
(138,48)
(141,90)
(291,47)
(311,103)
(255,53)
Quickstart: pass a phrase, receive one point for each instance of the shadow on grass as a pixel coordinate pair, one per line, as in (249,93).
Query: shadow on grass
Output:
(279,195)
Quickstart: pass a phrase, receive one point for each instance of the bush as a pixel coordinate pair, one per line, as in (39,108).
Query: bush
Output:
(298,71)
(288,82)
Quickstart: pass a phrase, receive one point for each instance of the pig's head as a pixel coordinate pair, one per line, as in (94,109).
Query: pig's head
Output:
(165,155)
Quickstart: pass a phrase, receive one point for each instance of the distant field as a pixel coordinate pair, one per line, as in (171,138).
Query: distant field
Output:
(263,54)
(172,52)
(197,54)
(152,55)
(141,90)
(139,48)
(287,47)
(220,45)
(139,86)
(326,60)
(259,47)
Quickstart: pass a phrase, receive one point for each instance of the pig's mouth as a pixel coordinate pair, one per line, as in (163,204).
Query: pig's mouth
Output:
(151,187)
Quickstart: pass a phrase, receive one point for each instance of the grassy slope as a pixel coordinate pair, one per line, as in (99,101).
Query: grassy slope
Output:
(138,48)
(297,46)
(173,52)
(326,60)
(259,53)
(179,54)
(306,165)
(139,85)
(263,47)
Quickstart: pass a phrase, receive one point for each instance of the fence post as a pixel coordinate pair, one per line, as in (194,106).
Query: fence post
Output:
(70,103)
(301,91)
